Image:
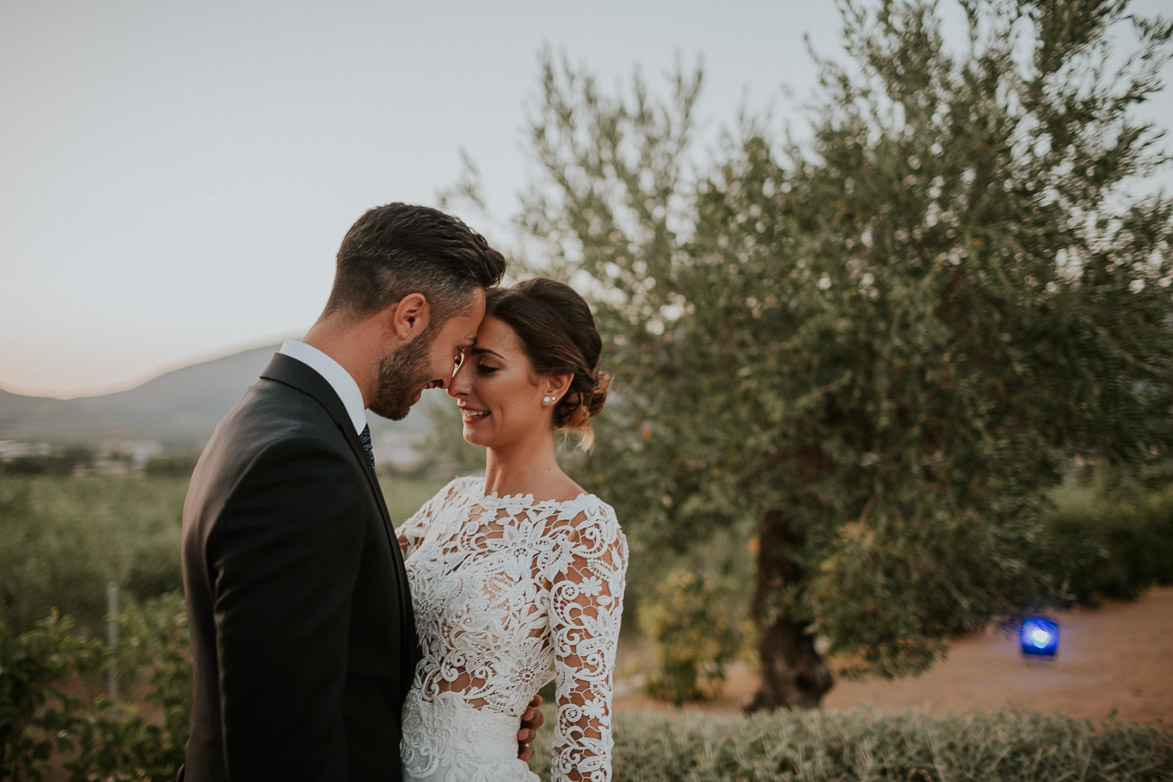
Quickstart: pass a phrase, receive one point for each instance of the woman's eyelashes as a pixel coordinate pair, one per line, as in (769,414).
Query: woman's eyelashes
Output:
(486,369)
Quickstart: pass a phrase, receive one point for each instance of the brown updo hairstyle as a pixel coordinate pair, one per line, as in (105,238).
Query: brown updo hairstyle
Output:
(558,333)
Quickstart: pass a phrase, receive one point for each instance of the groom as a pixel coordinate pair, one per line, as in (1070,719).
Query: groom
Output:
(303,639)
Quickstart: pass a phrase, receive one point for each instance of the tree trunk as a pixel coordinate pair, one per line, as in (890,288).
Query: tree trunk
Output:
(794,674)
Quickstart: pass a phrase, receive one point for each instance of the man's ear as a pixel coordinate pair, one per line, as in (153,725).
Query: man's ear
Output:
(408,317)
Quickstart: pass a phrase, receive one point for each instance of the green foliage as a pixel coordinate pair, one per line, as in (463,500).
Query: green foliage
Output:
(861,744)
(43,727)
(892,336)
(694,637)
(62,461)
(63,539)
(174,465)
(1111,537)
(864,745)
(37,715)
(144,739)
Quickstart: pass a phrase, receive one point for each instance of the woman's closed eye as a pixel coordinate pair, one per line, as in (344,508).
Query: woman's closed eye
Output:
(487,369)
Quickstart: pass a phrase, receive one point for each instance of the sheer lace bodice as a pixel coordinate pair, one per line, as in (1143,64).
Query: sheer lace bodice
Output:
(508,594)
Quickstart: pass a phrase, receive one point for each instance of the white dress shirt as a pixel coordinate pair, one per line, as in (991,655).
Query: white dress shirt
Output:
(339,379)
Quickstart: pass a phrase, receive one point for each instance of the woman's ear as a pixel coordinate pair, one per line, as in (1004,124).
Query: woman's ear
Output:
(408,317)
(556,385)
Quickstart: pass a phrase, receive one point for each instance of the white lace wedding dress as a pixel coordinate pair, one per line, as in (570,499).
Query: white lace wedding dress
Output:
(510,593)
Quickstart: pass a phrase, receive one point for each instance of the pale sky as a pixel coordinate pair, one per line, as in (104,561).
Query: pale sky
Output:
(175,178)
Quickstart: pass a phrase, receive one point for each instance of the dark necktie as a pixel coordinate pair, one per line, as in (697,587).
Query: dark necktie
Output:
(366,444)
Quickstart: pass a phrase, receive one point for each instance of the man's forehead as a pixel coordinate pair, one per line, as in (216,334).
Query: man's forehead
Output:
(462,328)
(477,310)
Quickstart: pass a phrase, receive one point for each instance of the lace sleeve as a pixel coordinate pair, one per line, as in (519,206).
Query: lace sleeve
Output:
(586,605)
(411,532)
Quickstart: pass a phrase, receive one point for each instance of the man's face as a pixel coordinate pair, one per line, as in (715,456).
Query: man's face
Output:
(428,361)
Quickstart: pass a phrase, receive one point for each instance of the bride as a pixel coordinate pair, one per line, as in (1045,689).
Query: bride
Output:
(518,578)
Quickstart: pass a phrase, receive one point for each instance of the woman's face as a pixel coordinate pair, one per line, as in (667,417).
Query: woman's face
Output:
(499,397)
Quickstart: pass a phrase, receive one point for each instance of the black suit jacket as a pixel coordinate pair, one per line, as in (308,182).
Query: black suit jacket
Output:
(303,639)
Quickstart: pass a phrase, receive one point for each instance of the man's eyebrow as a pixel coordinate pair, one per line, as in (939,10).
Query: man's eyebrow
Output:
(479,351)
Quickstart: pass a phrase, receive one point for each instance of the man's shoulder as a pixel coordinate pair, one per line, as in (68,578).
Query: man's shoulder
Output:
(274,402)
(272,415)
(262,444)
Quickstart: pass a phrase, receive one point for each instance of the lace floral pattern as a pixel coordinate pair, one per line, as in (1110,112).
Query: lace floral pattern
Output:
(510,593)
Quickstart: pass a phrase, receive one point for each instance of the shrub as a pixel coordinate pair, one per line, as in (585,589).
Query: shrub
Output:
(864,745)
(37,716)
(142,738)
(138,738)
(693,636)
(1112,537)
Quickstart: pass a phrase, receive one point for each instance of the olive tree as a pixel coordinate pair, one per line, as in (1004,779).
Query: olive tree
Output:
(875,348)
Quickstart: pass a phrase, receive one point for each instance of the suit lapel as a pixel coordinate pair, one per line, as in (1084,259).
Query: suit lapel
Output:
(291,372)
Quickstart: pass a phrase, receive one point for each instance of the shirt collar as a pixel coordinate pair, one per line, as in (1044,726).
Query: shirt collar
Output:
(339,379)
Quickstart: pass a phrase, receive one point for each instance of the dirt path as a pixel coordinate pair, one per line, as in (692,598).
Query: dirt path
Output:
(1118,657)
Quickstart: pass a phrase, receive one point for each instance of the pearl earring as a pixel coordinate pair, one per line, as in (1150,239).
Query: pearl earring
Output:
(549,399)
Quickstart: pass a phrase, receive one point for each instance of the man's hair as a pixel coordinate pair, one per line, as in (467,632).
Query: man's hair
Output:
(399,249)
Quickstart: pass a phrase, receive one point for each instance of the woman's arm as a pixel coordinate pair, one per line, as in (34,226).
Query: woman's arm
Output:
(586,606)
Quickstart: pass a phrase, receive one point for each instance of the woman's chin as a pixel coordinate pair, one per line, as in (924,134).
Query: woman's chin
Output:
(472,438)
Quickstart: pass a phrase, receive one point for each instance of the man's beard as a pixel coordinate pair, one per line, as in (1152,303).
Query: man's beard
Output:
(401,374)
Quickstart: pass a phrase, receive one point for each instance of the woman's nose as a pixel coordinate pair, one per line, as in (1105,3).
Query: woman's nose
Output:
(458,384)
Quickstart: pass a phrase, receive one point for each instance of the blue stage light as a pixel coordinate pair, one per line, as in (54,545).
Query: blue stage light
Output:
(1040,636)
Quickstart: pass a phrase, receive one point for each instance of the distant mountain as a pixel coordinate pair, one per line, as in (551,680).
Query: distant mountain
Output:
(178,409)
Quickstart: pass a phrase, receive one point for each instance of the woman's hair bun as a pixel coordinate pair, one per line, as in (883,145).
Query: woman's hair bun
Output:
(597,397)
